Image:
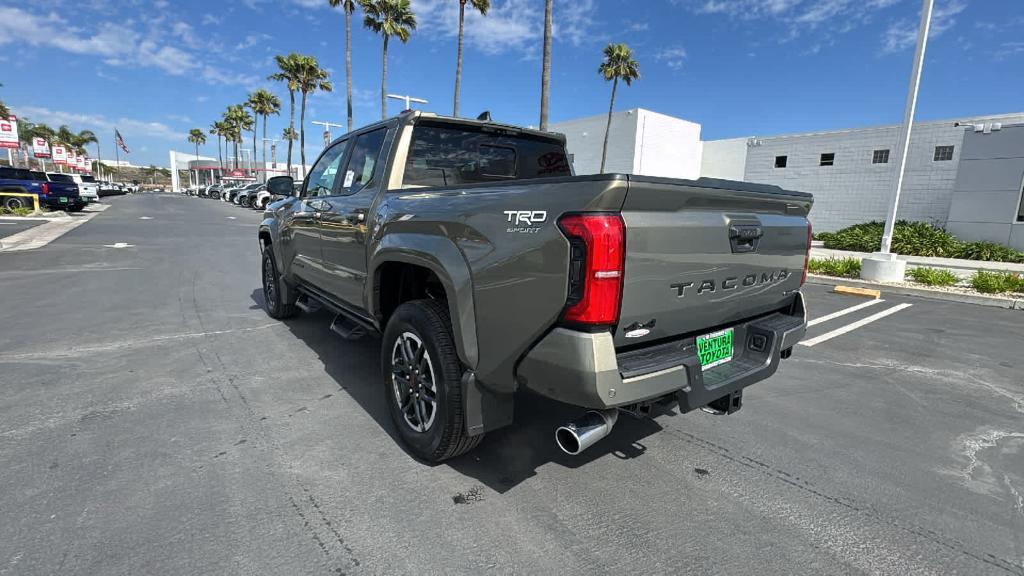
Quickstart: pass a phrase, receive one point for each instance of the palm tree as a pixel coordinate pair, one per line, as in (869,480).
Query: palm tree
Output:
(217,128)
(349,6)
(388,18)
(288,74)
(289,135)
(482,6)
(545,73)
(238,121)
(310,78)
(4,110)
(618,64)
(197,137)
(263,103)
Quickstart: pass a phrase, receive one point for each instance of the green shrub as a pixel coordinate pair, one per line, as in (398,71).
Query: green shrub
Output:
(843,267)
(989,251)
(997,282)
(16,211)
(916,239)
(933,276)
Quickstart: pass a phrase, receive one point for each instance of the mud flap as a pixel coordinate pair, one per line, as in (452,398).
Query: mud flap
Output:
(485,410)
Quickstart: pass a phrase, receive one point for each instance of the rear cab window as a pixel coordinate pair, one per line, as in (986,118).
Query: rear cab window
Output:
(447,154)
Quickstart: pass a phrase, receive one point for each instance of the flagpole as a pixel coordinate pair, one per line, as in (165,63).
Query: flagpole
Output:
(117,155)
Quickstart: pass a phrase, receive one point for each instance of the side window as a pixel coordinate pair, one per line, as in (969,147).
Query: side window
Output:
(323,174)
(363,161)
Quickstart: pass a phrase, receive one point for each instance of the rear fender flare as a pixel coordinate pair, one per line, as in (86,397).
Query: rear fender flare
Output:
(445,260)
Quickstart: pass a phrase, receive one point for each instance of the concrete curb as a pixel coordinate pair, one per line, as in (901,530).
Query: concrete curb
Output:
(52,229)
(1008,303)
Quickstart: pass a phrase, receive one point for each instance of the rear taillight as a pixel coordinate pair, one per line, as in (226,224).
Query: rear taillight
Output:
(46,188)
(597,247)
(807,255)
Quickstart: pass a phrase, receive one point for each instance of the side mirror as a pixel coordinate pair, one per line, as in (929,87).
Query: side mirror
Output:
(280,185)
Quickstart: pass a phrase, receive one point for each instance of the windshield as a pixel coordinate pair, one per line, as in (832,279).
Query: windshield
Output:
(88,179)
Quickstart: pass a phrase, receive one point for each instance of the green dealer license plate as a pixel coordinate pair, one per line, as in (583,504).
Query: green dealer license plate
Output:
(715,348)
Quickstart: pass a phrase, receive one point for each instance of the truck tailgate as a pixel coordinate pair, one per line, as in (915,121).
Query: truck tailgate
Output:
(706,253)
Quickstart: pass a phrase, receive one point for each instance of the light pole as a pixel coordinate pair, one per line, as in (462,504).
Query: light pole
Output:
(408,100)
(883,265)
(273,156)
(327,130)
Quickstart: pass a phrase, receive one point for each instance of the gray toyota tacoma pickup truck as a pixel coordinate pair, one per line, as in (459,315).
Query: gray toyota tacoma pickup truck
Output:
(486,267)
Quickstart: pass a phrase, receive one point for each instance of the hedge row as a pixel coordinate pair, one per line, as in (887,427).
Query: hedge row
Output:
(917,239)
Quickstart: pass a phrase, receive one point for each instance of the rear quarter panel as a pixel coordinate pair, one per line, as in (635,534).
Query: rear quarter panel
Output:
(518,272)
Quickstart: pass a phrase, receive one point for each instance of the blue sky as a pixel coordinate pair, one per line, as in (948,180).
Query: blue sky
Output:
(156,68)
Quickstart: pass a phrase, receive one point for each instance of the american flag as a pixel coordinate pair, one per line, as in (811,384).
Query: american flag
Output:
(120,142)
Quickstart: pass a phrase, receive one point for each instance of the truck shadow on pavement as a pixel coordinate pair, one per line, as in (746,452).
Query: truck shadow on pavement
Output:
(506,457)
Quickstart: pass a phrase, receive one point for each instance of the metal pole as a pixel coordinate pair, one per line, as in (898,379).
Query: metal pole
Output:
(908,121)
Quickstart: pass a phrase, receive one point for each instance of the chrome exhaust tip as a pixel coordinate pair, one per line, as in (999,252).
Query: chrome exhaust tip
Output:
(585,431)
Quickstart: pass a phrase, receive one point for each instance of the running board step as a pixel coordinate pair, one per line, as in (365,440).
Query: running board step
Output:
(346,328)
(307,304)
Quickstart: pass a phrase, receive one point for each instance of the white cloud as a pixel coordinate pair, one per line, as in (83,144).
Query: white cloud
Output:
(211,20)
(252,39)
(827,17)
(902,35)
(673,57)
(118,44)
(102,125)
(638,26)
(510,25)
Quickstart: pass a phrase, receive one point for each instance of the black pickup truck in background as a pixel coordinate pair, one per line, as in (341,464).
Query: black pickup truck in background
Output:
(52,194)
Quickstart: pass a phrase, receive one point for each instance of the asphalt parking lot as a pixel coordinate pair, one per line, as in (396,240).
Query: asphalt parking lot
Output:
(154,420)
(9,227)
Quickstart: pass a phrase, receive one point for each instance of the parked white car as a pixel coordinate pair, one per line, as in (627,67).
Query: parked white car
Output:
(88,188)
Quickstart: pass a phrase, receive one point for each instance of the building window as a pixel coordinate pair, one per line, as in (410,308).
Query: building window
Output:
(780,161)
(828,159)
(943,153)
(880,157)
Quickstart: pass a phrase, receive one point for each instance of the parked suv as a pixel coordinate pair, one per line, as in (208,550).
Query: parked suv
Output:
(487,267)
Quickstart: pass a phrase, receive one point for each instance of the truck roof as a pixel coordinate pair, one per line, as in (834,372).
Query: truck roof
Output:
(412,116)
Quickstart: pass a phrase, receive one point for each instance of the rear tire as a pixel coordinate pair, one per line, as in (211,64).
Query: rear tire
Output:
(422,379)
(273,294)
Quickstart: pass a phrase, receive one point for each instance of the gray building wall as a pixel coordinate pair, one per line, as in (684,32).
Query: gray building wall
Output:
(726,159)
(986,201)
(585,137)
(853,189)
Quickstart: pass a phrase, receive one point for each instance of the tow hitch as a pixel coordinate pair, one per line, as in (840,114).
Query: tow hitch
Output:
(725,405)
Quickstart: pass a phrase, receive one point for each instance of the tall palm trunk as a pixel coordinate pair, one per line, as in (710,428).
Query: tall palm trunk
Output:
(608,127)
(348,65)
(545,75)
(458,59)
(234,148)
(220,159)
(291,125)
(302,134)
(264,141)
(384,83)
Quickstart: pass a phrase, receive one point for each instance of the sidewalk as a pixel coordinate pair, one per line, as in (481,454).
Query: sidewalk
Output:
(956,265)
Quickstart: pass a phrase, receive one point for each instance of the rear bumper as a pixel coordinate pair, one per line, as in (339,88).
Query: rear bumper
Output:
(584,369)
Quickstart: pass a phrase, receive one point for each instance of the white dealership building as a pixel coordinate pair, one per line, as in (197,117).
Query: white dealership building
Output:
(966,174)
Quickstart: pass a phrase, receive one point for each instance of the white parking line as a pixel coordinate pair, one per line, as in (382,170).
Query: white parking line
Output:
(851,327)
(843,312)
